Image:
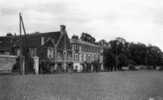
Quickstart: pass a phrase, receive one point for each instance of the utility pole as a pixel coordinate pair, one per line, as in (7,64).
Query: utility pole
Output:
(22,61)
(116,56)
(23,49)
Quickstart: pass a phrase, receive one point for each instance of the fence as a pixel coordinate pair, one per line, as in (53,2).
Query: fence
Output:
(6,63)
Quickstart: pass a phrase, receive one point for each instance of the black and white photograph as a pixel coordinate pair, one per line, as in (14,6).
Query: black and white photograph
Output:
(81,50)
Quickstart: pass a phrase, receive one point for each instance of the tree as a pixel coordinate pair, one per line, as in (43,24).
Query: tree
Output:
(118,48)
(109,60)
(153,56)
(138,53)
(122,53)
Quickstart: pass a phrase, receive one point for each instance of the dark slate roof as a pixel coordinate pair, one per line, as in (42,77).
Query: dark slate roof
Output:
(6,43)
(34,40)
(49,43)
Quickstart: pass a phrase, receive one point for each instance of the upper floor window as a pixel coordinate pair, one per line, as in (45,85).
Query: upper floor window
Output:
(50,53)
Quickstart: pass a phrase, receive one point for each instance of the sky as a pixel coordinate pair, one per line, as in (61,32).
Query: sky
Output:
(134,20)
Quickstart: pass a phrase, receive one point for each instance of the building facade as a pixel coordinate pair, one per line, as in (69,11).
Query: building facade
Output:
(52,48)
(56,52)
(86,56)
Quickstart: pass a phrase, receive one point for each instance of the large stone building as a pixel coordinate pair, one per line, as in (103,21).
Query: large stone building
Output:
(86,55)
(53,50)
(56,52)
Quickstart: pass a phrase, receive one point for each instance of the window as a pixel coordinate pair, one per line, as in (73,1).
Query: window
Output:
(18,52)
(82,57)
(50,52)
(76,57)
(73,47)
(33,52)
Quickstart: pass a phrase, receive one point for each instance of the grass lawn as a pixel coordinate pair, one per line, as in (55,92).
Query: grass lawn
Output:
(127,85)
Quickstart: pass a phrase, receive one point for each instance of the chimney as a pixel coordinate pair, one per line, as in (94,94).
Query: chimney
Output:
(62,28)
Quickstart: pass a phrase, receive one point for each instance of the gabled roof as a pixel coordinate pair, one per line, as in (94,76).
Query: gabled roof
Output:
(49,43)
(34,40)
(59,39)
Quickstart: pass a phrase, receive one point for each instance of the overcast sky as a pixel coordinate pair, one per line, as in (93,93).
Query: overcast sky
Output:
(134,20)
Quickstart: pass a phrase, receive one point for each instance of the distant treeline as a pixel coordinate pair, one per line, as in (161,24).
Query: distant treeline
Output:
(122,53)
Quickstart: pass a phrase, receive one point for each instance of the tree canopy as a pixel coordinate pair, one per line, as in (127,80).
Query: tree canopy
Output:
(122,53)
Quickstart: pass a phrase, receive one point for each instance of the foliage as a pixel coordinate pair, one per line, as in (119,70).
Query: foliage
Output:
(123,53)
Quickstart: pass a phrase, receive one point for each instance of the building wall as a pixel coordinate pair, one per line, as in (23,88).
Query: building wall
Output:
(84,52)
(65,51)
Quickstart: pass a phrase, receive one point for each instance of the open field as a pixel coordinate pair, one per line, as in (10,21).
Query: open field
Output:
(136,85)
